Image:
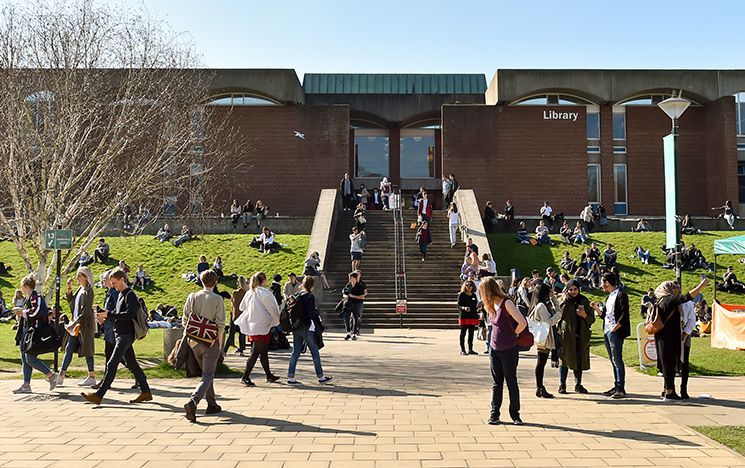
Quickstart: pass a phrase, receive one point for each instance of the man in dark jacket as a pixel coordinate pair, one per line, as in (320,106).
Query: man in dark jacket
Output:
(616,328)
(124,316)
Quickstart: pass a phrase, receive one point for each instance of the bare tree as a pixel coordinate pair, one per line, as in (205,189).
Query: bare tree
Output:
(99,110)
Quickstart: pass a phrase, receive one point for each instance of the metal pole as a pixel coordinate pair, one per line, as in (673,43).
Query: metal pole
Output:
(56,302)
(678,273)
(715,278)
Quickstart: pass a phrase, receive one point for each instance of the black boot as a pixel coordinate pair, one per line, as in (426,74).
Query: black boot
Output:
(541,392)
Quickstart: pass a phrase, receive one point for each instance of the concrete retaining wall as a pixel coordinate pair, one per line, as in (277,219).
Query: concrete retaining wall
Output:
(657,223)
(322,233)
(471,223)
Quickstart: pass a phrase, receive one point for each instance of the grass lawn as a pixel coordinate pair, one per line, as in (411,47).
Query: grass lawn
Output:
(637,278)
(165,264)
(731,436)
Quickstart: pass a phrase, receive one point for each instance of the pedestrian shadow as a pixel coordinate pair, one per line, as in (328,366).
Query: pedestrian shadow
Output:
(620,434)
(278,425)
(636,399)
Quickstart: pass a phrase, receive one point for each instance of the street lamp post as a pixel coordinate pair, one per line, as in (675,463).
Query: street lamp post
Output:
(674,108)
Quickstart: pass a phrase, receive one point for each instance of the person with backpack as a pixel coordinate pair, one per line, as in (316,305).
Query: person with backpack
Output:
(125,330)
(544,309)
(306,322)
(358,242)
(616,328)
(33,315)
(354,292)
(207,305)
(259,314)
(668,338)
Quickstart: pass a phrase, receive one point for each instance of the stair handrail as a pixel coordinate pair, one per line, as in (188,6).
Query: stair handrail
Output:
(399,235)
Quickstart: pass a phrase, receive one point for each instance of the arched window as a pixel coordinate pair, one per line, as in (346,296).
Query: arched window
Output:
(740,112)
(232,100)
(552,99)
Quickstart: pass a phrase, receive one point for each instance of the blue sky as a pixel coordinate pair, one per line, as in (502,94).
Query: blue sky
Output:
(383,36)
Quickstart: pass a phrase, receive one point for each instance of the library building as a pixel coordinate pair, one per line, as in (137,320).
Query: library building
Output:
(565,136)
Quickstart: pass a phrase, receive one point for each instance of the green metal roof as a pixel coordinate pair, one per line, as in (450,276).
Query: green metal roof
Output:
(380,83)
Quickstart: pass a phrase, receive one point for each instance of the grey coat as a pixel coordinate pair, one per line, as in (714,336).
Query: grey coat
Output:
(87,320)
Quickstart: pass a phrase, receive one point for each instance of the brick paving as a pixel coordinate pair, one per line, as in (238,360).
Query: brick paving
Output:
(400,398)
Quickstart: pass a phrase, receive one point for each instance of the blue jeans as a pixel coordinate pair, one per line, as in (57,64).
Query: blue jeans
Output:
(123,350)
(298,338)
(488,338)
(30,362)
(544,240)
(72,343)
(614,346)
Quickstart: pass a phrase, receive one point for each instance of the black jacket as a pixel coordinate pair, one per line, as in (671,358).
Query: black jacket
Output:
(621,314)
(124,314)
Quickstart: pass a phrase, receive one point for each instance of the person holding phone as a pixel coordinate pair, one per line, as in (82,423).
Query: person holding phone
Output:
(616,328)
(575,329)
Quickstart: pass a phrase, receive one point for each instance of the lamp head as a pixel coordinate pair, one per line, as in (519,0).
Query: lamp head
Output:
(674,106)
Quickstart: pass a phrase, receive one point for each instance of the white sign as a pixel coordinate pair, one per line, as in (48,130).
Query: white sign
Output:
(555,115)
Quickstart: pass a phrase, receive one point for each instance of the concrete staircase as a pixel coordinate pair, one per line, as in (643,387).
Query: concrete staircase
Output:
(432,285)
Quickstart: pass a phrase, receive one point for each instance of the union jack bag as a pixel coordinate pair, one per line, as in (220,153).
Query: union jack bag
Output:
(201,329)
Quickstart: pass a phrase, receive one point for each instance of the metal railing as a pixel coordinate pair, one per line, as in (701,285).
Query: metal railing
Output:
(399,234)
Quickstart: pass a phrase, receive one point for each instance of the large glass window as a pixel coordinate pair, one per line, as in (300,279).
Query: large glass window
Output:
(741,180)
(417,153)
(593,183)
(593,125)
(619,129)
(552,99)
(371,153)
(620,207)
(242,100)
(740,112)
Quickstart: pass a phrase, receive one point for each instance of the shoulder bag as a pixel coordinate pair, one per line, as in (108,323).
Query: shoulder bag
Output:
(655,324)
(201,329)
(41,340)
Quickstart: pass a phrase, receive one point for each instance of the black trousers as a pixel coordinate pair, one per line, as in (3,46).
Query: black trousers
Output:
(540,367)
(668,355)
(463,329)
(231,338)
(260,351)
(504,369)
(685,368)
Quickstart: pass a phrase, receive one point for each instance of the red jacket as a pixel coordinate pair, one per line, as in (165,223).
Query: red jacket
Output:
(420,209)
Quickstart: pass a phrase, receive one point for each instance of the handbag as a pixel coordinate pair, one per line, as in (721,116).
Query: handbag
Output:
(539,330)
(41,340)
(654,323)
(524,340)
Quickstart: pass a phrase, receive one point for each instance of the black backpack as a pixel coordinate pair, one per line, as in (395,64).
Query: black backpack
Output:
(292,316)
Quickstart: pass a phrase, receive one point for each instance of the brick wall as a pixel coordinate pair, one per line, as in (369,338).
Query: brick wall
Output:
(721,155)
(512,152)
(645,127)
(282,170)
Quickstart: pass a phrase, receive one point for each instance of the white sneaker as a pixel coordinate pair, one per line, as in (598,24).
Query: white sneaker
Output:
(60,379)
(53,381)
(87,382)
(25,388)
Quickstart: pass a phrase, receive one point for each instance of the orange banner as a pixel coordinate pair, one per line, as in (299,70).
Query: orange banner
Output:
(728,326)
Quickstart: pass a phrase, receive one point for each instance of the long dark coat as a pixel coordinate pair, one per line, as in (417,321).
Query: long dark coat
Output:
(575,354)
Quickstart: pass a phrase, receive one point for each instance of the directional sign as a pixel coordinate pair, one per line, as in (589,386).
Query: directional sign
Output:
(58,239)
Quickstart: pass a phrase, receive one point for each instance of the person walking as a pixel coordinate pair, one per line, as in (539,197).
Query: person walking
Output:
(453,223)
(446,190)
(305,334)
(124,316)
(207,305)
(34,314)
(616,328)
(262,314)
(82,328)
(668,340)
(574,330)
(544,309)
(507,323)
(106,320)
(468,315)
(424,209)
(423,238)
(355,292)
(235,311)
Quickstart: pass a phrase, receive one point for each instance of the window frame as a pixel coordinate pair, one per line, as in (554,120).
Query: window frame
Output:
(412,133)
(598,184)
(370,132)
(616,203)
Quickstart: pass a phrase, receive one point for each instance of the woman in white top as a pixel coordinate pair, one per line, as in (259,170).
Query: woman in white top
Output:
(82,327)
(687,324)
(488,267)
(267,241)
(454,222)
(385,191)
(259,314)
(544,309)
(140,277)
(235,212)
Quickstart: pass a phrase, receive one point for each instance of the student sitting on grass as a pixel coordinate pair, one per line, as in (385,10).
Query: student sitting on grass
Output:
(643,254)
(184,237)
(579,235)
(164,233)
(642,226)
(522,234)
(541,233)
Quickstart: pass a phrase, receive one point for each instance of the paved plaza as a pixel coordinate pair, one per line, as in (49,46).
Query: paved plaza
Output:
(400,398)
